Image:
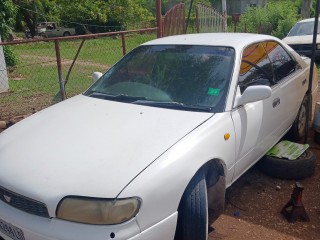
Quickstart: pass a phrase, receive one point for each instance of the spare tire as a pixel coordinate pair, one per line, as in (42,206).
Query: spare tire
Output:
(283,168)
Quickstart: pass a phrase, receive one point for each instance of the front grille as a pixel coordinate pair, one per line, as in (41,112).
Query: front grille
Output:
(23,203)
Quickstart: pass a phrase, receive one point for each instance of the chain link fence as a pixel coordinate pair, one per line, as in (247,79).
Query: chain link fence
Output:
(49,68)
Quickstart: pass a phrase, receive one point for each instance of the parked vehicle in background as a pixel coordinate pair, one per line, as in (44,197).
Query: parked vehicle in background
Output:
(51,29)
(153,144)
(300,38)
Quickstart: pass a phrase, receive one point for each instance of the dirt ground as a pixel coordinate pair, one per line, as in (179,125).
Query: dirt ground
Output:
(253,205)
(254,202)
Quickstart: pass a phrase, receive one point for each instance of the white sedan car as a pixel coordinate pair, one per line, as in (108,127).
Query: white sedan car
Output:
(300,38)
(153,144)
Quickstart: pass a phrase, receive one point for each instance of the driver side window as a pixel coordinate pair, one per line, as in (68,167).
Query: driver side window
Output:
(256,68)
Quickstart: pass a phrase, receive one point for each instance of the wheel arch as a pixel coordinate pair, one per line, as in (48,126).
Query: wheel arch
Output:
(66,33)
(214,173)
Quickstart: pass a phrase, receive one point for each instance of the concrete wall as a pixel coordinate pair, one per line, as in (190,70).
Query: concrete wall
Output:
(4,84)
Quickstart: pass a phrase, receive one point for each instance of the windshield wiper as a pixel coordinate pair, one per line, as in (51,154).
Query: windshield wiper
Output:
(174,105)
(118,97)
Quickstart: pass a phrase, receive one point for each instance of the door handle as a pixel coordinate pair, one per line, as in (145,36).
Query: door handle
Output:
(304,82)
(275,102)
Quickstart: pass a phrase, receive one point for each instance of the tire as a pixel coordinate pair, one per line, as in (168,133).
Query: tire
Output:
(42,35)
(66,34)
(297,130)
(193,211)
(282,168)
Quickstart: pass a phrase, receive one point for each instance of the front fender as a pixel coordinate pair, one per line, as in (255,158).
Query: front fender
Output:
(161,185)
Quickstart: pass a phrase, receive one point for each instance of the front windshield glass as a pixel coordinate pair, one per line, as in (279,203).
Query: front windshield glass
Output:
(303,28)
(170,76)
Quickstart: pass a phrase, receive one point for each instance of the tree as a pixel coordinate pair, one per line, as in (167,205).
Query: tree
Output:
(7,17)
(33,11)
(126,12)
(306,8)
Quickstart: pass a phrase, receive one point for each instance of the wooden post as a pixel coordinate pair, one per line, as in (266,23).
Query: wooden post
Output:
(159,18)
(224,13)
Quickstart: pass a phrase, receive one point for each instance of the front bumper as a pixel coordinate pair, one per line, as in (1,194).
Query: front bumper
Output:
(39,228)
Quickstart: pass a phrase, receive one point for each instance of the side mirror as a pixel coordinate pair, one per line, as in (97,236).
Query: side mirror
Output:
(253,94)
(96,76)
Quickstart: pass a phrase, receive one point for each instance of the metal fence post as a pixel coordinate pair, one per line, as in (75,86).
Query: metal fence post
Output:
(124,49)
(61,83)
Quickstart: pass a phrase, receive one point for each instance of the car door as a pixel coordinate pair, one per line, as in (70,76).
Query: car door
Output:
(291,82)
(256,124)
(54,31)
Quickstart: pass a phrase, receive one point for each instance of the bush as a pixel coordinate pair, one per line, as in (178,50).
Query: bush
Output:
(10,57)
(252,18)
(276,19)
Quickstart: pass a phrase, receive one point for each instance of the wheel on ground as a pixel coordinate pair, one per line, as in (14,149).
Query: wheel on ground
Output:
(193,211)
(42,35)
(66,34)
(297,130)
(283,168)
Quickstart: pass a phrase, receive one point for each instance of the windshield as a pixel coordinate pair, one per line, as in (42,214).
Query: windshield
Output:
(170,76)
(303,28)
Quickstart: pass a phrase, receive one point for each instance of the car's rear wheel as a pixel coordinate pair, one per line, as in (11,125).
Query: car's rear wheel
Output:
(298,128)
(66,34)
(193,211)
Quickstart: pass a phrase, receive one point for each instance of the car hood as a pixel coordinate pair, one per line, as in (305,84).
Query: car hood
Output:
(87,147)
(305,39)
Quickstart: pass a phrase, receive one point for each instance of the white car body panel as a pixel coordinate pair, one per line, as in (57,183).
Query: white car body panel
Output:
(306,39)
(184,159)
(106,149)
(109,135)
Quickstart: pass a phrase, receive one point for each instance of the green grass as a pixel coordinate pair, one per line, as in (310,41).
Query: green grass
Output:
(34,82)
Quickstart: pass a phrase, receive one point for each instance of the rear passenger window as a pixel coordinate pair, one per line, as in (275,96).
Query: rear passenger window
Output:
(283,64)
(255,68)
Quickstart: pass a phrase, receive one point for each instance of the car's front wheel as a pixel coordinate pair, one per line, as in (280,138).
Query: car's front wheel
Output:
(193,211)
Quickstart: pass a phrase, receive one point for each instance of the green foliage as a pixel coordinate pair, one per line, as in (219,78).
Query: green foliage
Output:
(282,16)
(252,18)
(7,16)
(127,12)
(83,11)
(9,56)
(276,19)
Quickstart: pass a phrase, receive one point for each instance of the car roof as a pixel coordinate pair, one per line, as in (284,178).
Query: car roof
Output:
(235,40)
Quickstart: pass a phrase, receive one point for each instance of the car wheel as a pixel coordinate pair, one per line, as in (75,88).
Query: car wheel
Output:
(66,34)
(193,211)
(42,35)
(297,131)
(283,168)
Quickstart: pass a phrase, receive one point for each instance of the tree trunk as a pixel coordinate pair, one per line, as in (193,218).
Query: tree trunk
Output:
(305,10)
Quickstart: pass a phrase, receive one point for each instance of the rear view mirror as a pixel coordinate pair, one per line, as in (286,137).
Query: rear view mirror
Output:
(96,76)
(253,94)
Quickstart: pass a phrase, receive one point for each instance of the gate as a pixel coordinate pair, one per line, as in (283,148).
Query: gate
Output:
(209,20)
(174,21)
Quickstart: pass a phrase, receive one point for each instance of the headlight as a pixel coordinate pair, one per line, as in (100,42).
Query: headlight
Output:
(98,210)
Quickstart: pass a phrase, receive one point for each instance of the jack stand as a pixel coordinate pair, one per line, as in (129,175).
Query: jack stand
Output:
(297,210)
